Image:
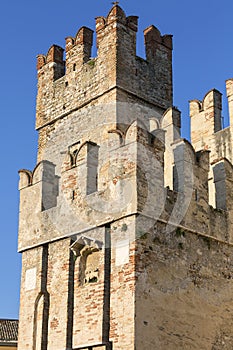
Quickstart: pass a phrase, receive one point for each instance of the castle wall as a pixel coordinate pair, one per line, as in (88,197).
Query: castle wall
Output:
(31,292)
(59,265)
(125,228)
(184,291)
(86,80)
(123,282)
(90,293)
(206,126)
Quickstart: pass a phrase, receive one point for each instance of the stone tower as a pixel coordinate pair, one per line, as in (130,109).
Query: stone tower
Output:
(120,246)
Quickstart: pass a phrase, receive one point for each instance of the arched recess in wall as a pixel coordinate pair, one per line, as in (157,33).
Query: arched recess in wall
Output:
(116,138)
(131,132)
(89,153)
(89,266)
(87,251)
(40,322)
(153,124)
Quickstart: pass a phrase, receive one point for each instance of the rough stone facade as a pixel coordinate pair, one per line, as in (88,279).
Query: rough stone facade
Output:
(125,229)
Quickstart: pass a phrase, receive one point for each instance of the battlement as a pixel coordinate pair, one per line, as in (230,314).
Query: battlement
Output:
(120,212)
(80,94)
(154,40)
(54,55)
(229,89)
(96,173)
(207,134)
(209,110)
(65,86)
(206,124)
(116,14)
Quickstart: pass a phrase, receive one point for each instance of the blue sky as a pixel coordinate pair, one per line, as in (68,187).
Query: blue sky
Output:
(203,59)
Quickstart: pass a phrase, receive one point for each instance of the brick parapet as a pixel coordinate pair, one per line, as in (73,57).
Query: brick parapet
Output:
(122,220)
(116,65)
(137,158)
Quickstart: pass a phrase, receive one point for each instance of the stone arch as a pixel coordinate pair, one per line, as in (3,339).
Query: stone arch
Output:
(38,321)
(116,12)
(25,178)
(131,132)
(88,251)
(121,136)
(154,124)
(195,107)
(36,174)
(78,154)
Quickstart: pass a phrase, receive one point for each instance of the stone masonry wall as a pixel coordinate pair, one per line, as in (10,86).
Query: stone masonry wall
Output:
(116,66)
(31,292)
(183,291)
(125,229)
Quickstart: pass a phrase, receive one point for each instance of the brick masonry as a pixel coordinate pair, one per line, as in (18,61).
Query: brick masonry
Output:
(125,229)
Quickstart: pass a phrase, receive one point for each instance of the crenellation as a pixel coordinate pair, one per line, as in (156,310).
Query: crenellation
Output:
(229,90)
(100,24)
(206,119)
(203,159)
(125,227)
(132,22)
(115,67)
(55,54)
(195,107)
(171,123)
(116,14)
(25,178)
(223,179)
(41,61)
(201,188)
(78,49)
(184,163)
(106,27)
(54,63)
(207,133)
(155,43)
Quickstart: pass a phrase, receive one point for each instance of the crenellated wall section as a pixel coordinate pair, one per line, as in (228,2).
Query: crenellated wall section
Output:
(125,227)
(94,177)
(207,133)
(80,80)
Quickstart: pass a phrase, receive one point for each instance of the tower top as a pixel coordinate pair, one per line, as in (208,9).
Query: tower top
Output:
(115,66)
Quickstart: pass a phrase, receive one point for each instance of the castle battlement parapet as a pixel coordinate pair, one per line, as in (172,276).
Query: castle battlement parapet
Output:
(207,133)
(125,228)
(116,67)
(206,124)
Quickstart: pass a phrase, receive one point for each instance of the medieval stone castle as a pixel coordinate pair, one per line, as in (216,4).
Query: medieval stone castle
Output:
(126,229)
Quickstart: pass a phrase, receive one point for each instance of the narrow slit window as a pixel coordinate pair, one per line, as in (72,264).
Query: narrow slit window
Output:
(92,168)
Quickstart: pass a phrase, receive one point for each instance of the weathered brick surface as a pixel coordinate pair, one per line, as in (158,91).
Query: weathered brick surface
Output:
(30,294)
(57,285)
(125,228)
(89,295)
(183,292)
(123,282)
